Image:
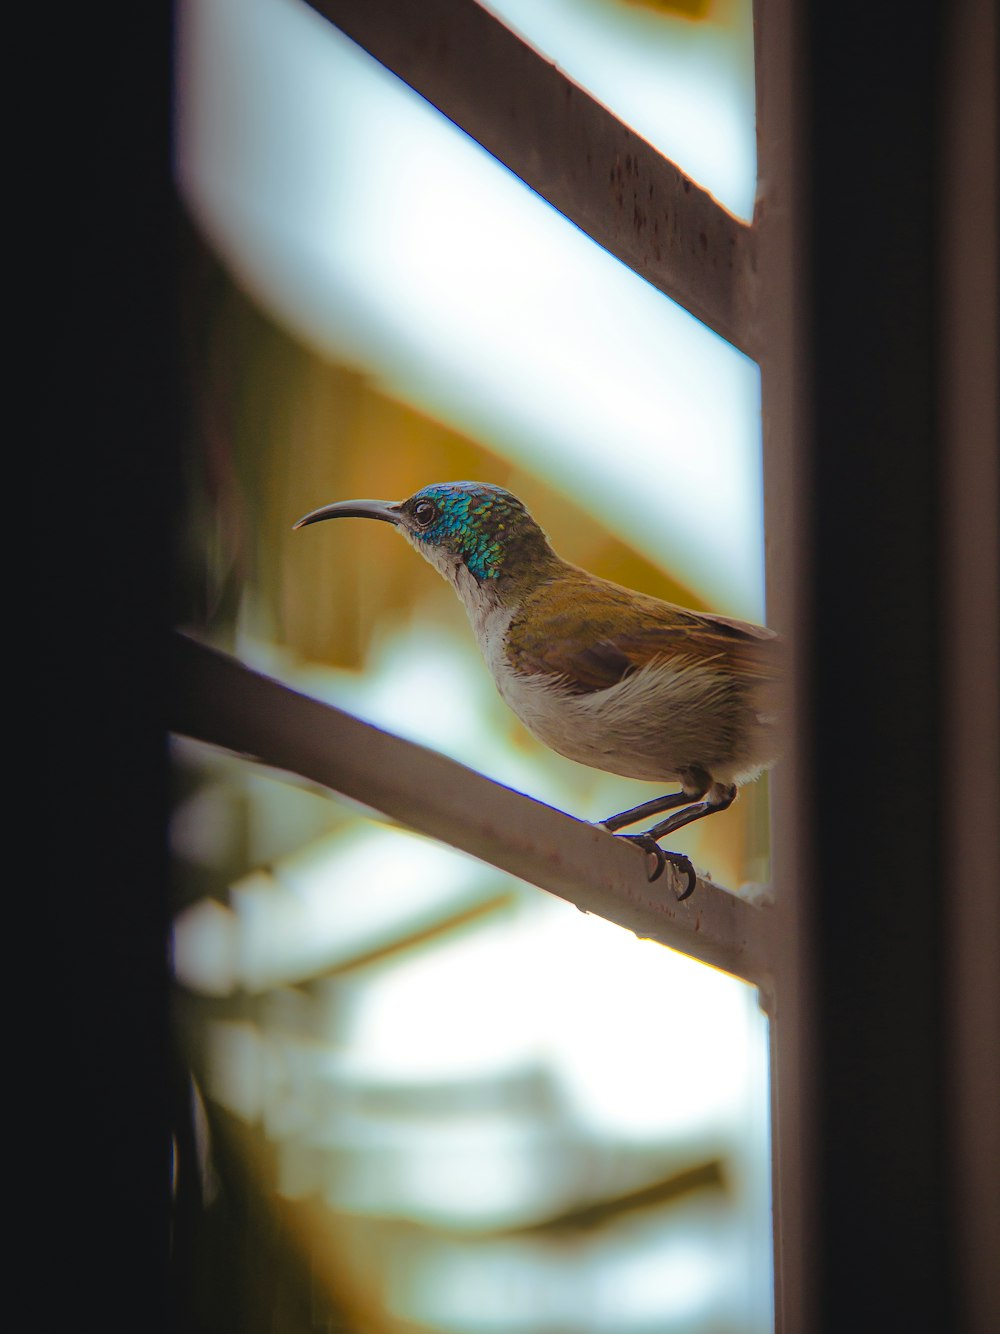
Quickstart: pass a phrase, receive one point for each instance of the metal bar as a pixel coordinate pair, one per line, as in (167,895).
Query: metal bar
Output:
(569,148)
(783,333)
(221,701)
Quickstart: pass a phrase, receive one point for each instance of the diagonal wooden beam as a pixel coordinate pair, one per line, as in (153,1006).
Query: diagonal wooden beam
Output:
(219,700)
(569,148)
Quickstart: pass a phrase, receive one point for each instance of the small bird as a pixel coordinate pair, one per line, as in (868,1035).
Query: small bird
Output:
(609,677)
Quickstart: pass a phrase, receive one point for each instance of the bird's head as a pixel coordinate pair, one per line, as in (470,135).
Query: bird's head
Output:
(463,528)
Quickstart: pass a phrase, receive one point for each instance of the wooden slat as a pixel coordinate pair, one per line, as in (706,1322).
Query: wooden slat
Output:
(221,701)
(569,148)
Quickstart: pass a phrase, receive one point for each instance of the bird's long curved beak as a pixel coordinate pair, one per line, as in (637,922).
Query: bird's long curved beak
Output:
(386,510)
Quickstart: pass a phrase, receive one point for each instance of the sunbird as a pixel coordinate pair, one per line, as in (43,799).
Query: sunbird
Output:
(605,675)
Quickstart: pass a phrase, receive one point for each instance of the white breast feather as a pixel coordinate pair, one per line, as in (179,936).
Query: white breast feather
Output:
(653,724)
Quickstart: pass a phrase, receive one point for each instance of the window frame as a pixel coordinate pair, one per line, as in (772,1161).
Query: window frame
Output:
(610,182)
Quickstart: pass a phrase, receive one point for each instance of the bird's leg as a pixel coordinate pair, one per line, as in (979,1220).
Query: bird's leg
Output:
(721,799)
(696,783)
(655,807)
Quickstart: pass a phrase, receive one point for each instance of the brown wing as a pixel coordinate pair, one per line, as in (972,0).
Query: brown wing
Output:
(592,633)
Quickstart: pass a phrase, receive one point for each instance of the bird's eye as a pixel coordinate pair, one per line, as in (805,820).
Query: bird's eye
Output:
(424,512)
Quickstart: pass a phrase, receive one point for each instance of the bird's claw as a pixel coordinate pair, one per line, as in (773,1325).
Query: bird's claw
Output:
(684,864)
(677,859)
(651,846)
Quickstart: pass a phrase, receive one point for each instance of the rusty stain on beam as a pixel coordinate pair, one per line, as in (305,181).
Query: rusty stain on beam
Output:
(569,148)
(219,700)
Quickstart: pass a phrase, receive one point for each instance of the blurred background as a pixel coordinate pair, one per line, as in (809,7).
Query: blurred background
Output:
(419,1095)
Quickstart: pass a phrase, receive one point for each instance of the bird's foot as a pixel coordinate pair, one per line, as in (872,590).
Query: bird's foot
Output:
(662,857)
